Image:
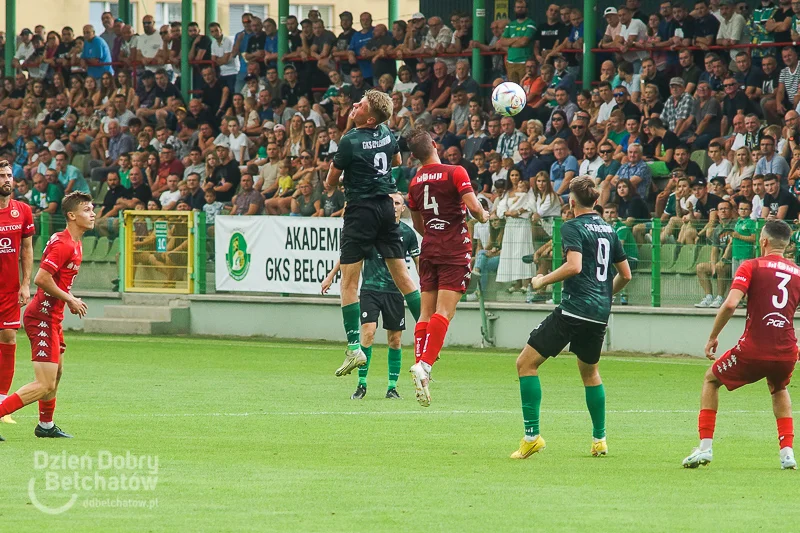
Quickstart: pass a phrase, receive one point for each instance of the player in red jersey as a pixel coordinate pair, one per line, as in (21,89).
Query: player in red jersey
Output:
(437,198)
(16,243)
(766,349)
(43,316)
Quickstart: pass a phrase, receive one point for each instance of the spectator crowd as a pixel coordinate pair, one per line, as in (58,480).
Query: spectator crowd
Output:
(692,120)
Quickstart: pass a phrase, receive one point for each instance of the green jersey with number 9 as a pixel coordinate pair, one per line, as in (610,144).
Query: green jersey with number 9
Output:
(588,295)
(365,155)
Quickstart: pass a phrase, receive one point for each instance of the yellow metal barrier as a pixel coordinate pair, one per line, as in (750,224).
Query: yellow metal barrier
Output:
(159,251)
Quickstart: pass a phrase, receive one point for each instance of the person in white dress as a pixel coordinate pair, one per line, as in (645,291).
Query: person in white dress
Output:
(516,209)
(546,206)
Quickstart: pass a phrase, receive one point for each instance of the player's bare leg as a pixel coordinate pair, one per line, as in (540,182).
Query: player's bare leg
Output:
(596,403)
(706,422)
(8,351)
(402,279)
(43,388)
(354,357)
(782,408)
(435,333)
(530,391)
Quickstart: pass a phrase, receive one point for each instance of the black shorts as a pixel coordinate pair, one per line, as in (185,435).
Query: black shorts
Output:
(585,338)
(370,223)
(390,305)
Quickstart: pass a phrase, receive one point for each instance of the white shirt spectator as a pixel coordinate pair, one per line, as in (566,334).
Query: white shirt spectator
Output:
(735,30)
(125,118)
(758,203)
(56,146)
(24,51)
(739,142)
(721,170)
(589,168)
(220,49)
(236,144)
(605,111)
(445,37)
(169,197)
(637,29)
(149,45)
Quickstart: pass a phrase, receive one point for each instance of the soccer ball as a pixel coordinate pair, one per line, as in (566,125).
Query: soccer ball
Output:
(508,99)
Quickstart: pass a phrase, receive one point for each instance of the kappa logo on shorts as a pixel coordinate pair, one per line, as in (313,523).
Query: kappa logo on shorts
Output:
(466,240)
(46,304)
(43,344)
(43,334)
(44,324)
(468,275)
(41,353)
(44,311)
(725,365)
(402,322)
(777,320)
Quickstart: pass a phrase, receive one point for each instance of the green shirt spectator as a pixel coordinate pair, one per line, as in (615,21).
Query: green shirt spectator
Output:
(742,249)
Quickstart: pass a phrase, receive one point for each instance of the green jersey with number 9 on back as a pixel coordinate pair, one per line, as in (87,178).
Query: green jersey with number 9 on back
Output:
(365,155)
(588,295)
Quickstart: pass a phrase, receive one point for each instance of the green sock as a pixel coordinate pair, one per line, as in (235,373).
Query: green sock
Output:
(362,370)
(596,402)
(351,317)
(413,301)
(530,390)
(395,357)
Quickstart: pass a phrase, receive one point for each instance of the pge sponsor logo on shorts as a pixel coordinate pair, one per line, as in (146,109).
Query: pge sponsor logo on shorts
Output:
(104,479)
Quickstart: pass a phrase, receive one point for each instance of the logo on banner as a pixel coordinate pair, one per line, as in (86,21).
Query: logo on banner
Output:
(237,258)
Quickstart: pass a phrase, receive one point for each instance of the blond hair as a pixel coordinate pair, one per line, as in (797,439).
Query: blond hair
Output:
(380,105)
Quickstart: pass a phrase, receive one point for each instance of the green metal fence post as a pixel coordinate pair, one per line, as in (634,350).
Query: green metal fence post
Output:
(210,13)
(283,34)
(124,11)
(557,257)
(186,68)
(655,265)
(478,34)
(199,253)
(122,252)
(11,35)
(45,226)
(589,41)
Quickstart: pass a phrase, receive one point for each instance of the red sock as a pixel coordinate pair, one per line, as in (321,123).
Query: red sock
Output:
(46,408)
(7,361)
(420,332)
(785,432)
(706,422)
(434,340)
(11,404)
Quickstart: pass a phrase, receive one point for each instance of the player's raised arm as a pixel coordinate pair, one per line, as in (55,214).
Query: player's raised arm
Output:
(475,207)
(44,280)
(571,267)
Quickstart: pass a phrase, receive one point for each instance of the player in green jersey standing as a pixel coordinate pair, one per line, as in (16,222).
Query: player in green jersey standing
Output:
(590,247)
(364,162)
(380,297)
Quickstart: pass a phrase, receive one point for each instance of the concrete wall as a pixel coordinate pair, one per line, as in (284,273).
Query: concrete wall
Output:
(639,329)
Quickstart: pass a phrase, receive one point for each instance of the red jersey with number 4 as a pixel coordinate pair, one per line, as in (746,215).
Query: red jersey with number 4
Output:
(772,286)
(61,258)
(16,223)
(436,193)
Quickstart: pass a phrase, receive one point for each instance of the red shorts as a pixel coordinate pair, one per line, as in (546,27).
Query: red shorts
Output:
(735,369)
(9,310)
(435,277)
(47,340)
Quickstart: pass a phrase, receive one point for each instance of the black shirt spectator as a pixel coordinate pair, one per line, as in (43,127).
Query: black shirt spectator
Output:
(635,207)
(692,169)
(631,110)
(197,200)
(254,44)
(342,44)
(779,15)
(212,96)
(549,35)
(142,193)
(424,87)
(740,103)
(229,173)
(784,198)
(166,92)
(752,78)
(112,196)
(705,209)
(382,66)
(291,94)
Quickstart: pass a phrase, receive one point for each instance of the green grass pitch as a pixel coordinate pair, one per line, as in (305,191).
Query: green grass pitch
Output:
(260,436)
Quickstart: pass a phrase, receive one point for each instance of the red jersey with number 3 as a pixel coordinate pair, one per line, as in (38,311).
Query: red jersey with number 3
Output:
(772,286)
(61,258)
(436,193)
(16,223)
